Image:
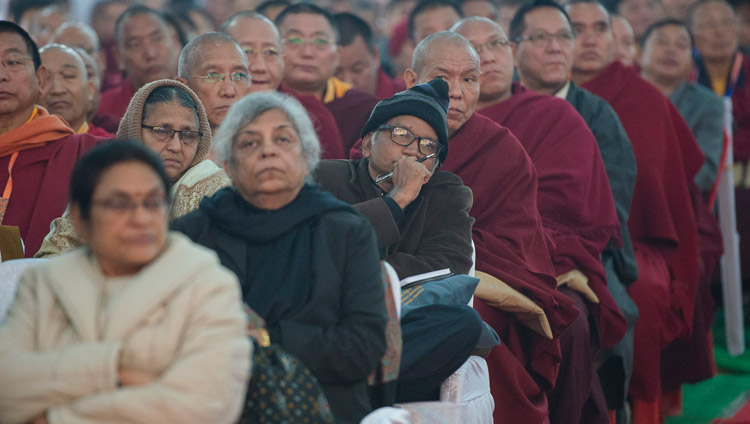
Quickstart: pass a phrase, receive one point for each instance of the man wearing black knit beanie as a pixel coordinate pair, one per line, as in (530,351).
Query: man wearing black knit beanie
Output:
(421,218)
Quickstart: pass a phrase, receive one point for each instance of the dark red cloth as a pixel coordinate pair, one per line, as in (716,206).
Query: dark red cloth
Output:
(111,75)
(41,177)
(99,132)
(662,223)
(351,113)
(511,245)
(574,199)
(106,122)
(325,126)
(114,102)
(388,86)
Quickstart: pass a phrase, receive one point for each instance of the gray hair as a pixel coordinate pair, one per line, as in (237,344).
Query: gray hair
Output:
(251,107)
(80,26)
(421,53)
(191,51)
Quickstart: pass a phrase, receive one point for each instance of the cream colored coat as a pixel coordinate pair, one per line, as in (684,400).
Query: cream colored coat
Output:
(179,319)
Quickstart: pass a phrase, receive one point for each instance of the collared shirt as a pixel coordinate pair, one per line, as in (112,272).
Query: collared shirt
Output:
(563,92)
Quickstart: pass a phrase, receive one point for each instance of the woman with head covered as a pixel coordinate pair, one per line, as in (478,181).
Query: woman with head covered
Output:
(170,119)
(307,262)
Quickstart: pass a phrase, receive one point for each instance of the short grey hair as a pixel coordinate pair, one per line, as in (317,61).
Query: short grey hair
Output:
(189,56)
(422,51)
(250,107)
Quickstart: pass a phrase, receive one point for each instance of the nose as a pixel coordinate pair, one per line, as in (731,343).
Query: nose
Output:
(174,144)
(226,87)
(412,149)
(268,149)
(150,50)
(554,45)
(55,84)
(258,66)
(455,90)
(139,215)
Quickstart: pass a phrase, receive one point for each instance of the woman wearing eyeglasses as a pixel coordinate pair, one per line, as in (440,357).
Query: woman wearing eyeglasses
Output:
(140,326)
(170,119)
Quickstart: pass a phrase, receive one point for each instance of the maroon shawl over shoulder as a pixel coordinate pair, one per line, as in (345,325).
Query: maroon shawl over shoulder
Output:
(41,177)
(574,198)
(351,113)
(388,86)
(668,158)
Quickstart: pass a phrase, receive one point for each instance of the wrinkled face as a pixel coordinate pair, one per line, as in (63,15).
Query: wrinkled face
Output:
(593,47)
(544,64)
(384,153)
(639,13)
(460,69)
(217,97)
(147,51)
(359,65)
(434,20)
(176,153)
(122,239)
(261,43)
(667,54)
(310,56)
(676,8)
(624,41)
(19,83)
(495,57)
(715,31)
(267,159)
(483,8)
(68,90)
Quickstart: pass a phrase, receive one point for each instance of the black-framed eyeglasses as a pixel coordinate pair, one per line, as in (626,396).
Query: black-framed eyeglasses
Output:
(123,206)
(187,137)
(543,38)
(403,137)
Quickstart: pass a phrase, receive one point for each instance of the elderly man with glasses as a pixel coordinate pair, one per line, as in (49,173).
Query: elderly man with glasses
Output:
(421,218)
(574,201)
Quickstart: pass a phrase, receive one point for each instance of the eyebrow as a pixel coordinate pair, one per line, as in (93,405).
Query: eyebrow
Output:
(13,50)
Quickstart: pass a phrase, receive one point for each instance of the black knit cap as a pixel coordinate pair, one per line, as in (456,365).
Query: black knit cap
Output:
(428,102)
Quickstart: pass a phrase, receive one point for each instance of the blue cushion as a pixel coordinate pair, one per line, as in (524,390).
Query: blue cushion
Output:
(454,290)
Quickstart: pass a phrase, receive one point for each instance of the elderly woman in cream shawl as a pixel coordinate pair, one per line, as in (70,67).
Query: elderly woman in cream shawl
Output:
(170,119)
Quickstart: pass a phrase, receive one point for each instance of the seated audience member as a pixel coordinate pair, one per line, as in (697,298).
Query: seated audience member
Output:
(666,62)
(146,52)
(307,262)
(69,90)
(94,74)
(510,241)
(482,8)
(662,221)
(260,40)
(104,14)
(431,16)
(214,66)
(171,121)
(310,57)
(359,59)
(724,68)
(112,332)
(575,203)
(37,150)
(640,14)
(421,218)
(623,41)
(400,49)
(547,17)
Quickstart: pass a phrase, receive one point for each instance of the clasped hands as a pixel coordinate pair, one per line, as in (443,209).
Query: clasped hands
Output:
(578,282)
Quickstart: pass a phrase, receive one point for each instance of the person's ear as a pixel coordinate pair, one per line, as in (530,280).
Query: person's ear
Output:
(376,54)
(91,88)
(367,145)
(80,225)
(120,66)
(410,78)
(41,75)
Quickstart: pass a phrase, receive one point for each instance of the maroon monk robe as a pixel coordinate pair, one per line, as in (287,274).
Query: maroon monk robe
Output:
(331,145)
(511,245)
(351,113)
(114,102)
(574,199)
(662,223)
(41,177)
(388,86)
